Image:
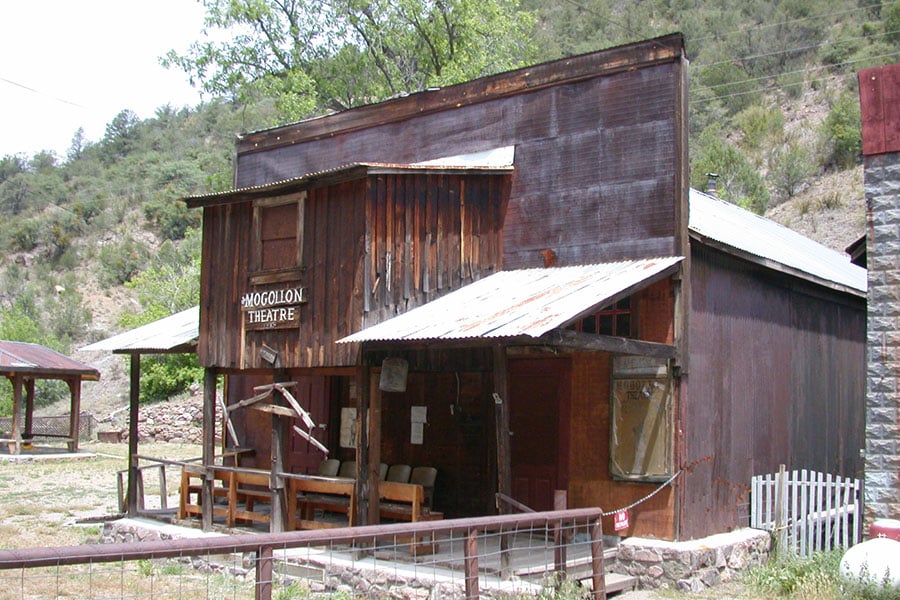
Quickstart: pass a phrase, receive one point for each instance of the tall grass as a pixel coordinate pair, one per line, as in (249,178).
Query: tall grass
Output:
(814,578)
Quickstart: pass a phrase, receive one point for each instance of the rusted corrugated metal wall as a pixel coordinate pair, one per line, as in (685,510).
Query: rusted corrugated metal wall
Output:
(596,159)
(768,385)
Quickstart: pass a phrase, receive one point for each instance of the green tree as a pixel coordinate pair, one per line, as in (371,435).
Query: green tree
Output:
(171,285)
(337,54)
(738,181)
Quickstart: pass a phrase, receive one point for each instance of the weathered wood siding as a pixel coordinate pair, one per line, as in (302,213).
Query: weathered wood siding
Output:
(372,247)
(427,235)
(768,385)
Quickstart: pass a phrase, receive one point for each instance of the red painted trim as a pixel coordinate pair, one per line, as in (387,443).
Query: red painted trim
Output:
(879,100)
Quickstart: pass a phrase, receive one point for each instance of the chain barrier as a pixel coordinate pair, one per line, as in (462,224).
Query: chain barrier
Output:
(609,513)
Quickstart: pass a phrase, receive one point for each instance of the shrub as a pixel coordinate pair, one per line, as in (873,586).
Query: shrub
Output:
(168,375)
(759,125)
(120,262)
(171,218)
(790,166)
(841,133)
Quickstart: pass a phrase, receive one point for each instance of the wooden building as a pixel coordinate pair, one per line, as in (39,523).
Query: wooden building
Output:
(520,247)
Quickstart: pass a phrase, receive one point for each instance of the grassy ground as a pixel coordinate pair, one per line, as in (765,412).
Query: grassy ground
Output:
(57,502)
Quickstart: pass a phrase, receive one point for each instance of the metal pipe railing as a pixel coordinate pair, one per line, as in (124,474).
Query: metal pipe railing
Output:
(262,544)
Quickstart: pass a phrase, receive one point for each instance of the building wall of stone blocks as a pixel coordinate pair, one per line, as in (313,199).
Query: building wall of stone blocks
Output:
(882,477)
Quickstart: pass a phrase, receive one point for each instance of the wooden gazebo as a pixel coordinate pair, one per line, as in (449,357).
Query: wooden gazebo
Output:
(23,363)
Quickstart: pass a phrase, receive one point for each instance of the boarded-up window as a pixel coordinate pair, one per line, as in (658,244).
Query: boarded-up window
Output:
(279,227)
(641,431)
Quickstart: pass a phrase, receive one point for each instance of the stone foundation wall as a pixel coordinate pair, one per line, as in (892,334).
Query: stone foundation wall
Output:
(695,565)
(882,463)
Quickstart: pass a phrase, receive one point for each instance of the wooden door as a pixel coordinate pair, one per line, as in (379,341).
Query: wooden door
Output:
(538,409)
(312,393)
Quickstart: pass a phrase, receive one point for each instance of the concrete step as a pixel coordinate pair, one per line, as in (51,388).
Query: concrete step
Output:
(615,583)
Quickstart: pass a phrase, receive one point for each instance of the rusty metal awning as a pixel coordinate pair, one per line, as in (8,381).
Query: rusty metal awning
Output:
(41,362)
(520,303)
(176,333)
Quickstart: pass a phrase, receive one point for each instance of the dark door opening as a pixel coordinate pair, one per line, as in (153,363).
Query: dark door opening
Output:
(539,396)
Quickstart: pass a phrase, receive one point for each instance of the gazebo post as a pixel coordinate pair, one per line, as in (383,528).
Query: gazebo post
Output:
(75,413)
(29,410)
(133,474)
(15,445)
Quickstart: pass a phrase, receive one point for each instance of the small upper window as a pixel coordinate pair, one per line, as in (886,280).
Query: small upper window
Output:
(279,226)
(610,320)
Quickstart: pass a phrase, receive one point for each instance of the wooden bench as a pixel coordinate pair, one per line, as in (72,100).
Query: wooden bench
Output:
(191,488)
(329,494)
(235,487)
(406,502)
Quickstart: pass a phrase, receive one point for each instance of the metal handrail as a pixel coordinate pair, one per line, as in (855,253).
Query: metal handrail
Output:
(263,544)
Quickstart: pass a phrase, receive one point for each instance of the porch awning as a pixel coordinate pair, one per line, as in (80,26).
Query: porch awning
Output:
(523,303)
(175,334)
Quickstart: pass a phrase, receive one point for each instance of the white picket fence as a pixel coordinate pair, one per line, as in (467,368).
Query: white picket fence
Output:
(807,511)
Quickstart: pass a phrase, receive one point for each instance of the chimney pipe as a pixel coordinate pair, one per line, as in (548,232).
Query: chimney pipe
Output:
(711,181)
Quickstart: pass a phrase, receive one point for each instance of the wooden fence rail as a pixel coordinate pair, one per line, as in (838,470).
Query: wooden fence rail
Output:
(806,510)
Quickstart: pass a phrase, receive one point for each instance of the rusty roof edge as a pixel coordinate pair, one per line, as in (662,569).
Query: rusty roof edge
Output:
(341,173)
(644,53)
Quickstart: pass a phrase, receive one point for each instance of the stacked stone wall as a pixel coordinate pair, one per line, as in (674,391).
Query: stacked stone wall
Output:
(882,461)
(692,566)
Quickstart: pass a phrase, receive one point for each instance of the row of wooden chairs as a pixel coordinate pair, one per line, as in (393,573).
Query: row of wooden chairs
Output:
(424,476)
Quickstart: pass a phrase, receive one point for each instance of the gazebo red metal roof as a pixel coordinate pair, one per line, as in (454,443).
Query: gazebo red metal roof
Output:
(41,362)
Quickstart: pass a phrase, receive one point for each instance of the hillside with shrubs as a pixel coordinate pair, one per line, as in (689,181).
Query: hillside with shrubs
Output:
(95,242)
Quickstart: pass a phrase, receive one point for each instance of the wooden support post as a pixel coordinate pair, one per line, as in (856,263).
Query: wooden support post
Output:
(598,573)
(75,413)
(501,419)
(133,400)
(264,571)
(15,446)
(471,565)
(374,455)
(29,410)
(560,501)
(504,469)
(208,451)
(362,444)
(278,516)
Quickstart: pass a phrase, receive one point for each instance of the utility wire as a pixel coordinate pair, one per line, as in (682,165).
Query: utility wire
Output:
(40,93)
(761,89)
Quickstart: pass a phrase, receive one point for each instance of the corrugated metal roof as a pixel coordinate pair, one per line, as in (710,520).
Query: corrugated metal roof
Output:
(341,173)
(765,240)
(526,302)
(175,333)
(22,357)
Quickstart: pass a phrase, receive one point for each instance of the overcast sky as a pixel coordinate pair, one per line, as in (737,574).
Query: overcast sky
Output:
(78,63)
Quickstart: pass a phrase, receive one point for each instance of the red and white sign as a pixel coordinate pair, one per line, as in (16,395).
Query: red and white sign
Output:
(620,520)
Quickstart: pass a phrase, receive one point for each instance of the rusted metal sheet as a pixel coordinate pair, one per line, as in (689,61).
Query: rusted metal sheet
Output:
(175,333)
(630,57)
(879,98)
(525,302)
(717,222)
(40,361)
(595,156)
(774,379)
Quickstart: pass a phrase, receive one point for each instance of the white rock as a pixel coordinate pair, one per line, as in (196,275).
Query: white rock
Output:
(876,560)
